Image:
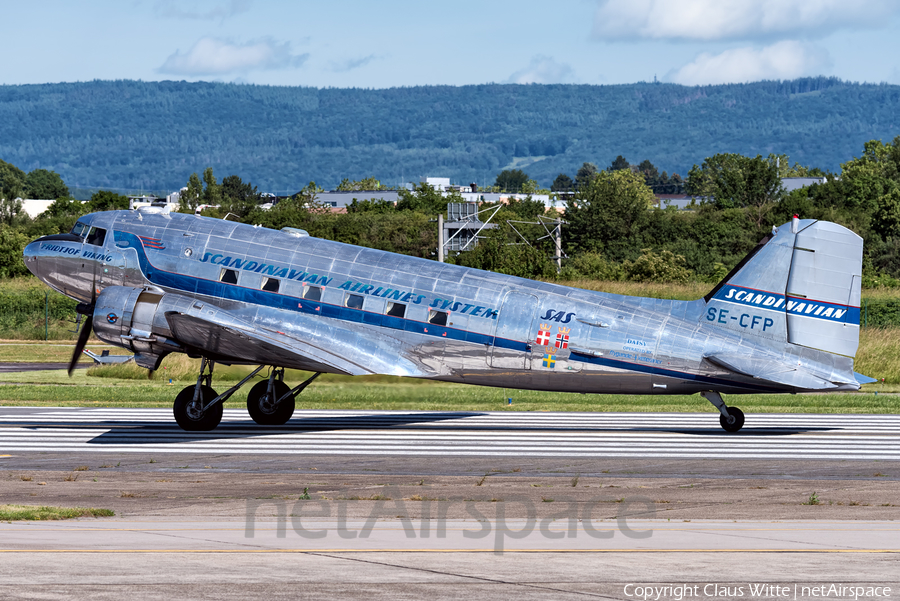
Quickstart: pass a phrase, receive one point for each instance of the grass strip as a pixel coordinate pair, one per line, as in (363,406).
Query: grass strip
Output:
(439,396)
(12,513)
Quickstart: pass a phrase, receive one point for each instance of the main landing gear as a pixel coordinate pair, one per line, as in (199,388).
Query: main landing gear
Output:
(271,402)
(730,418)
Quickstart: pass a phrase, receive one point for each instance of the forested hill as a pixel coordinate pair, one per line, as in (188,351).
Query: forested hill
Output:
(155,134)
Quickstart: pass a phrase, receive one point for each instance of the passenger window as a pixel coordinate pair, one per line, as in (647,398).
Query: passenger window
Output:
(396,309)
(438,318)
(270,284)
(312,293)
(96,236)
(228,276)
(353,301)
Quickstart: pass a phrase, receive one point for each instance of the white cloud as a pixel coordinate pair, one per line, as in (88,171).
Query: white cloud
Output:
(212,56)
(206,11)
(707,20)
(783,60)
(543,69)
(353,63)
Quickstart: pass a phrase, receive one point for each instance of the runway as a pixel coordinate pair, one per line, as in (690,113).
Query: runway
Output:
(481,506)
(445,434)
(488,534)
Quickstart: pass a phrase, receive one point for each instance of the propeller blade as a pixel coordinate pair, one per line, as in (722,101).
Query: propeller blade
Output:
(82,341)
(88,311)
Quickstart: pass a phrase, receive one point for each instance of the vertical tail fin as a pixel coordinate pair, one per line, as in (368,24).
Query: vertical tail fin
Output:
(800,285)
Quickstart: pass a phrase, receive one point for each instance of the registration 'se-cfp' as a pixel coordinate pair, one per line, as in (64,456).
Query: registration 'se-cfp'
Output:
(785,320)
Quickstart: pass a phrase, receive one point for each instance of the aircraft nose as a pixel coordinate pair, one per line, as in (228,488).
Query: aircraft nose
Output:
(30,254)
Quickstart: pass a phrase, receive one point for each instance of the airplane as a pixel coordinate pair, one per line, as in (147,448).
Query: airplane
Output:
(784,320)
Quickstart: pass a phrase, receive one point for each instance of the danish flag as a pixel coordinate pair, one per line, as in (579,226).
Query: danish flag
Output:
(562,338)
(543,335)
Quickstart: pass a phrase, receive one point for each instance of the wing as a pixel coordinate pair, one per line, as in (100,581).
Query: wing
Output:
(333,349)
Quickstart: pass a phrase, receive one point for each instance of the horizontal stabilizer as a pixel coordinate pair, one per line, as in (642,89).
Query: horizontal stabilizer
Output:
(770,370)
(864,379)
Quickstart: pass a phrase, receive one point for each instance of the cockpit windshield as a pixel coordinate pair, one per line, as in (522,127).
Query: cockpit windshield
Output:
(80,230)
(92,235)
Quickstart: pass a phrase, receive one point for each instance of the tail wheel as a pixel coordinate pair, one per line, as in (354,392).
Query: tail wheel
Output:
(736,422)
(264,408)
(191,416)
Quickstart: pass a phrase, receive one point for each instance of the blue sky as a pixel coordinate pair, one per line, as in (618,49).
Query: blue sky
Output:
(349,43)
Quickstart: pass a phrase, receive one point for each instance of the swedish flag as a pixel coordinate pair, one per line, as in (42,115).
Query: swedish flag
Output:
(549,361)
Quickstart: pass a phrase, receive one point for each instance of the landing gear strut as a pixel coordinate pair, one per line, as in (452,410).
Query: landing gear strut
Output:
(731,418)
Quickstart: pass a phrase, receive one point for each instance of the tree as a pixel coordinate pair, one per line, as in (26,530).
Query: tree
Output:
(526,209)
(650,173)
(783,163)
(12,243)
(529,187)
(886,220)
(375,205)
(104,200)
(425,199)
(238,197)
(212,193)
(308,199)
(619,164)
(369,183)
(41,183)
(585,174)
(494,253)
(10,208)
(190,196)
(607,214)
(732,180)
(652,267)
(66,207)
(869,177)
(562,183)
(12,181)
(511,180)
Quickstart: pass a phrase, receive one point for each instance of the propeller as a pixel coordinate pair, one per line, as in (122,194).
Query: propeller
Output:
(84,334)
(86,309)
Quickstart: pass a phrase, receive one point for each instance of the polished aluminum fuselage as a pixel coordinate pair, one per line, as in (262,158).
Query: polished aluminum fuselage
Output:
(500,330)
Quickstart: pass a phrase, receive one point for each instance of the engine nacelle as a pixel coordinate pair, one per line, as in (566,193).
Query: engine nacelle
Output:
(134,318)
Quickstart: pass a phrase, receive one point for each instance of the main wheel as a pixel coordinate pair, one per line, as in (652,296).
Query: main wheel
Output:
(737,420)
(190,415)
(264,409)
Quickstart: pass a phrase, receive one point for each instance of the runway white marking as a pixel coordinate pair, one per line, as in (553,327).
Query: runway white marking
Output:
(638,435)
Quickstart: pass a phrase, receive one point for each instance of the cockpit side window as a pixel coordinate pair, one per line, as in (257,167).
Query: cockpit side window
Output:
(96,236)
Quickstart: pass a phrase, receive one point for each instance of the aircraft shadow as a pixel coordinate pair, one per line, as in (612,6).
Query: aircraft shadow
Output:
(124,432)
(162,432)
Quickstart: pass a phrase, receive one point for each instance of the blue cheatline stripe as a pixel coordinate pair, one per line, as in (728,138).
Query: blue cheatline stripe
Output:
(215,289)
(772,301)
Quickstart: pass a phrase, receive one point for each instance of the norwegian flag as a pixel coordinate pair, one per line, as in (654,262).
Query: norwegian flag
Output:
(562,341)
(543,338)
